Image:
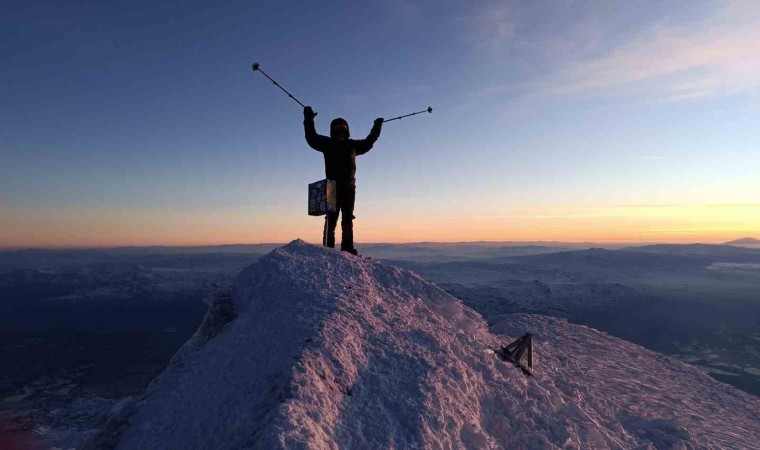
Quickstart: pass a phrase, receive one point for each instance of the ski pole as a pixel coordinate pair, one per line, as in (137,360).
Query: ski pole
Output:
(255,67)
(428,110)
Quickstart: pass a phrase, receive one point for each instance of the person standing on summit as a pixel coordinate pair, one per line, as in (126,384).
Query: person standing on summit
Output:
(340,154)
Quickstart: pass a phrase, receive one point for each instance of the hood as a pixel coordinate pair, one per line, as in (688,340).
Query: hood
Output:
(339,121)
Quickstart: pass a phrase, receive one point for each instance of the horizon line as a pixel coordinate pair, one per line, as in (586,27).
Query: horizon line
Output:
(278,244)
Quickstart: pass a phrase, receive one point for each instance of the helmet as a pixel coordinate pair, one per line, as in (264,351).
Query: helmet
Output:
(339,128)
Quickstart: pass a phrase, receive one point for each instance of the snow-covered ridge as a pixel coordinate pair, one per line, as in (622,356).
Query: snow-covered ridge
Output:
(319,349)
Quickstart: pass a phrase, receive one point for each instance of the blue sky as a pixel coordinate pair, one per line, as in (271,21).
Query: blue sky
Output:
(142,123)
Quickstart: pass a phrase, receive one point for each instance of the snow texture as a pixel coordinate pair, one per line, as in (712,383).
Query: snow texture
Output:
(320,349)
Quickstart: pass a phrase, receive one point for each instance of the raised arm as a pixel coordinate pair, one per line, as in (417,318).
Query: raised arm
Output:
(315,141)
(365,145)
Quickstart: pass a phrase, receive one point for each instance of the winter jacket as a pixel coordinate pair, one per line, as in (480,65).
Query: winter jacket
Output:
(340,156)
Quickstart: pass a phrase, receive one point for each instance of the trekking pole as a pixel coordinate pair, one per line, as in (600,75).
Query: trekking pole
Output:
(428,110)
(255,67)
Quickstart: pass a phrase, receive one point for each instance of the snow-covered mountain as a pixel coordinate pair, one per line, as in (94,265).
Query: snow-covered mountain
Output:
(697,302)
(319,349)
(745,241)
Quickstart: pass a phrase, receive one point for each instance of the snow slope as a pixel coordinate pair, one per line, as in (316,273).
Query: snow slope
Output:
(319,349)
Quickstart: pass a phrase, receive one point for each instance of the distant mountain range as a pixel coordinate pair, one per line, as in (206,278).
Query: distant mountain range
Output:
(745,241)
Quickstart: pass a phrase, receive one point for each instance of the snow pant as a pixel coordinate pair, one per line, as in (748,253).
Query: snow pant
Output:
(345,198)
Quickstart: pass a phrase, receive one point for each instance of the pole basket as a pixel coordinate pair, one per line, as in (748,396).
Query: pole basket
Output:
(322,198)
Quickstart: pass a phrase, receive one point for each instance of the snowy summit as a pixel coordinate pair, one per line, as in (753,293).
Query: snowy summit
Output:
(319,349)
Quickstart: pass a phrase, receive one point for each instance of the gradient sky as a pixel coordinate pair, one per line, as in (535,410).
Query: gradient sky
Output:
(135,123)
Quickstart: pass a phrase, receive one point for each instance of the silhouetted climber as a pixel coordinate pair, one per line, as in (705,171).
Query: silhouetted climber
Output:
(340,165)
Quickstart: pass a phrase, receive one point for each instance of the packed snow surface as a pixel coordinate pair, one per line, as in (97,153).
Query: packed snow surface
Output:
(320,349)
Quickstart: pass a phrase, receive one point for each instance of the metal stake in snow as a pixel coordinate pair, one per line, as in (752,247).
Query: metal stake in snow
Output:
(255,67)
(428,110)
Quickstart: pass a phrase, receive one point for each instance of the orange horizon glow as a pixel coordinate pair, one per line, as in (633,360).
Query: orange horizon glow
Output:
(626,224)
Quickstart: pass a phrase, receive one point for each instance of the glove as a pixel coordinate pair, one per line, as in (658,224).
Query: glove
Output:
(308,113)
(379,121)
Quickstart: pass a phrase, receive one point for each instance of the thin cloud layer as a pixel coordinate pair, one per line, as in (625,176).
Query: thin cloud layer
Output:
(493,24)
(718,56)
